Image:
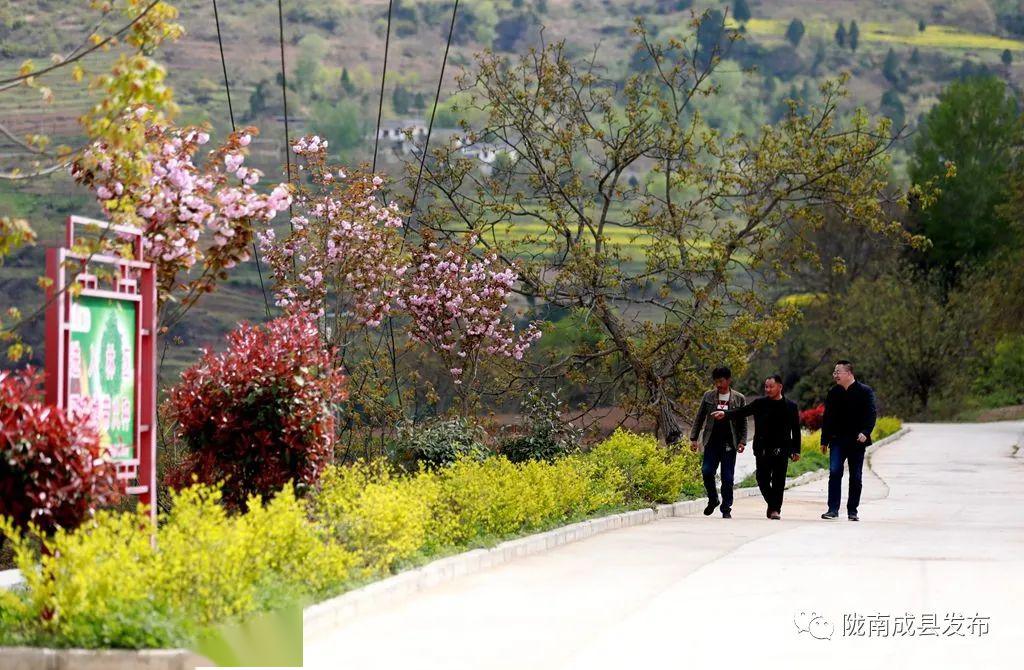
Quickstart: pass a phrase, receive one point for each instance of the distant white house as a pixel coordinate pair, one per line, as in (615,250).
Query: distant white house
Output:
(486,153)
(399,131)
(408,136)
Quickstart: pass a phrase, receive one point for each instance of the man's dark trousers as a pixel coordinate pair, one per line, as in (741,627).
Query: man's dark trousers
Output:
(771,476)
(851,451)
(716,454)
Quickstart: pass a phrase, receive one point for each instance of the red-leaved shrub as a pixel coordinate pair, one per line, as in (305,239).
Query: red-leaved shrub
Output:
(53,470)
(259,414)
(811,418)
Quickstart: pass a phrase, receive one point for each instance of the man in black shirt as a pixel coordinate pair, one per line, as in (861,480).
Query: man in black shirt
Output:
(721,440)
(846,429)
(776,440)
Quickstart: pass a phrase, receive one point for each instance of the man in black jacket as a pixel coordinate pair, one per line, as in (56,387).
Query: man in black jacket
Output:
(776,440)
(846,429)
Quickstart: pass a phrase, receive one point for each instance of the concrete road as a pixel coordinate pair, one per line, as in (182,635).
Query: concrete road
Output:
(745,462)
(941,535)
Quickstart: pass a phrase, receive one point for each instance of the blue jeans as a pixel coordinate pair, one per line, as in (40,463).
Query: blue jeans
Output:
(851,451)
(716,455)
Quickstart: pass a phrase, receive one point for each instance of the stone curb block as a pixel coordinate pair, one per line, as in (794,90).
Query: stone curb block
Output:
(35,658)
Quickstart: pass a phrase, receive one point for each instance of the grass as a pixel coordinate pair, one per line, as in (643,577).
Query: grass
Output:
(15,201)
(987,414)
(631,243)
(803,300)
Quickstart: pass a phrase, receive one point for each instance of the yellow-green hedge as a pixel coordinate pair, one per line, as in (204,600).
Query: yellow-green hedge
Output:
(885,426)
(386,519)
(107,585)
(642,470)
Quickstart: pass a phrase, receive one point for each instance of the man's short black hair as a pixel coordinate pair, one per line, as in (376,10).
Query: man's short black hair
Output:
(721,372)
(847,364)
(777,378)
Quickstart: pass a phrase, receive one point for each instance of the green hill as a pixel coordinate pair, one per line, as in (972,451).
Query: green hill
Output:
(906,52)
(324,39)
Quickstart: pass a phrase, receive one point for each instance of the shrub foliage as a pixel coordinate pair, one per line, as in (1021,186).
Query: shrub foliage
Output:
(811,419)
(53,469)
(546,436)
(109,585)
(260,414)
(443,441)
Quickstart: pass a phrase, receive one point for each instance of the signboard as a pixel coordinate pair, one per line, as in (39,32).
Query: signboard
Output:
(101,368)
(101,347)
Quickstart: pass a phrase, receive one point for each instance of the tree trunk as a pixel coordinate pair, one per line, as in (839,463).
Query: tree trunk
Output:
(667,424)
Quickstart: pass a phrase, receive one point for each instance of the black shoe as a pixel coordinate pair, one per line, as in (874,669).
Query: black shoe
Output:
(830,515)
(775,515)
(726,514)
(712,504)
(853,517)
(768,514)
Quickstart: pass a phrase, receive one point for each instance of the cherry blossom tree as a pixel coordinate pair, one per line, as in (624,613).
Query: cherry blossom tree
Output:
(132,78)
(386,297)
(458,305)
(198,219)
(344,248)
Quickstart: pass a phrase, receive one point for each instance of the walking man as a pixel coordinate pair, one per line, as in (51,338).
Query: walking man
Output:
(721,440)
(776,439)
(846,429)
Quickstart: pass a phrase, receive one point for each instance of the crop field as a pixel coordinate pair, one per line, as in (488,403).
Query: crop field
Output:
(897,33)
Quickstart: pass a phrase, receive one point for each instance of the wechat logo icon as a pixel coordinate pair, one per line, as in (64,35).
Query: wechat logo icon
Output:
(814,624)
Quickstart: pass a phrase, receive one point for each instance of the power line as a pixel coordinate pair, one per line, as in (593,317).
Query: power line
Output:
(392,352)
(383,74)
(71,59)
(433,112)
(231,114)
(223,65)
(284,98)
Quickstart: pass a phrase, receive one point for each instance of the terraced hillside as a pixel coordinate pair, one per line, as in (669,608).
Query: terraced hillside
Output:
(905,52)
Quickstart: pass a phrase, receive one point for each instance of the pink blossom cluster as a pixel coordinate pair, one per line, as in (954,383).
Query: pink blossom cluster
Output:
(309,145)
(190,213)
(458,303)
(344,248)
(346,253)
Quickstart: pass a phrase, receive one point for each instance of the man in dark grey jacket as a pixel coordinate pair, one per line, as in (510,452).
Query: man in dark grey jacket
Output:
(721,440)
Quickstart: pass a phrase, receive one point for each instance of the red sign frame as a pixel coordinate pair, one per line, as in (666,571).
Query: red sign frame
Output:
(134,281)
